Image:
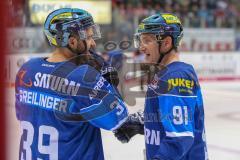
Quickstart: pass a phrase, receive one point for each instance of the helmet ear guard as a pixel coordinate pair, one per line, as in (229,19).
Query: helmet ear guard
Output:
(179,39)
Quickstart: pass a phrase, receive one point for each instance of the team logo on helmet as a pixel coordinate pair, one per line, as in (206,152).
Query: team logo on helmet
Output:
(141,26)
(63,16)
(171,19)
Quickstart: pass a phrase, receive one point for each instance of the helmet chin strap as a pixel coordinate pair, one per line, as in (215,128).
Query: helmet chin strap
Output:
(76,52)
(162,54)
(77,59)
(85,46)
(72,50)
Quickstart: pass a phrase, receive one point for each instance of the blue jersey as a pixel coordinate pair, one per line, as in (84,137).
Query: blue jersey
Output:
(61,107)
(174,115)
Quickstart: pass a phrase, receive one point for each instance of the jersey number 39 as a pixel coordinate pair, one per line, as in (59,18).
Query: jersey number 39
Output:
(51,149)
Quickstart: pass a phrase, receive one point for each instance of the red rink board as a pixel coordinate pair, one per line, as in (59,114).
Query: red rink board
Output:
(3,17)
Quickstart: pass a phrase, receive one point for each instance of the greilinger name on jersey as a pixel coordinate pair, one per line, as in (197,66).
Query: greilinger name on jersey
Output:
(56,83)
(44,101)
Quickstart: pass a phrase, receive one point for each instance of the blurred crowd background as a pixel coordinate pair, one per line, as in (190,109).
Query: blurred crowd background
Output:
(125,16)
(193,13)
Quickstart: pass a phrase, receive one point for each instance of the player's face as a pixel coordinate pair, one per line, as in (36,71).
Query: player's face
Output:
(80,47)
(150,47)
(89,40)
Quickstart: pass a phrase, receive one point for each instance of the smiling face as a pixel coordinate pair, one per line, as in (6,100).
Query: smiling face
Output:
(150,47)
(153,48)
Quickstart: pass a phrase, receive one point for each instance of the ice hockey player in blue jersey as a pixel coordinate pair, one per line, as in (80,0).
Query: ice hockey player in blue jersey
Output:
(63,100)
(174,114)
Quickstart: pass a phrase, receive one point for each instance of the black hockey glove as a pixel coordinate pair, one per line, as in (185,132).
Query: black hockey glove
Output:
(133,125)
(108,72)
(111,75)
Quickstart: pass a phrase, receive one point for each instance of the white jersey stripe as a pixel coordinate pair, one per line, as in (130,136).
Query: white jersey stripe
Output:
(180,134)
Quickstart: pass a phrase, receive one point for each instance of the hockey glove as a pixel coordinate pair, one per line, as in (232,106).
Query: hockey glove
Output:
(111,75)
(133,125)
(108,72)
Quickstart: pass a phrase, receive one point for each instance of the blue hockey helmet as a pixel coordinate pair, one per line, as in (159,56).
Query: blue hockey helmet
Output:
(62,23)
(161,25)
